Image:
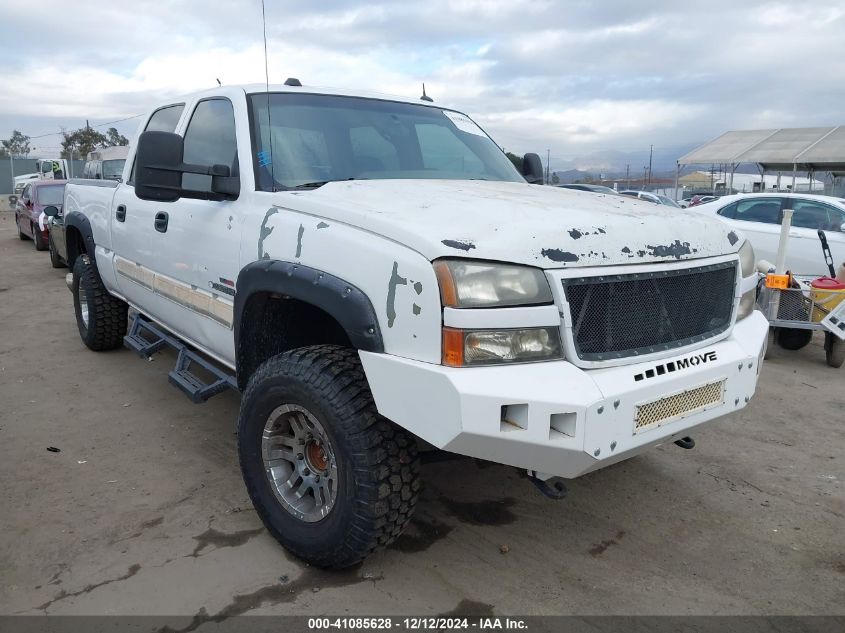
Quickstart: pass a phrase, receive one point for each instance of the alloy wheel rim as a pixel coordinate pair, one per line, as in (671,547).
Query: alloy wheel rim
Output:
(299,463)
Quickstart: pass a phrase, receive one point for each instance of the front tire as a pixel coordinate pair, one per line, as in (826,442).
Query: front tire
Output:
(834,350)
(331,478)
(100,317)
(55,260)
(38,238)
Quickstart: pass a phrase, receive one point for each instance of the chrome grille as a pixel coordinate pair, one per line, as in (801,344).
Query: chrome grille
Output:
(617,316)
(679,405)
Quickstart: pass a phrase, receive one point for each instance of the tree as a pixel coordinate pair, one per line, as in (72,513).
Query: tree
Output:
(116,138)
(516,160)
(555,178)
(81,142)
(17,144)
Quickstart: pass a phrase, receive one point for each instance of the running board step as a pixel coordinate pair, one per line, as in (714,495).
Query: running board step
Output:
(193,386)
(146,346)
(145,339)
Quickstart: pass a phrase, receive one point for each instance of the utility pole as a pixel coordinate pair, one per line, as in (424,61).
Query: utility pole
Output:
(548,157)
(628,175)
(650,154)
(645,172)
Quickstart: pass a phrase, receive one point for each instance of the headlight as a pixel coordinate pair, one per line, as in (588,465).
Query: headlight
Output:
(746,259)
(747,303)
(474,284)
(488,347)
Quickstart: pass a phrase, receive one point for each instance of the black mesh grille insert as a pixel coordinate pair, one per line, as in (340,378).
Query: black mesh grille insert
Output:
(616,316)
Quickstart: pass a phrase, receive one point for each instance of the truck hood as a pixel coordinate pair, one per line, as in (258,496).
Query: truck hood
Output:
(535,225)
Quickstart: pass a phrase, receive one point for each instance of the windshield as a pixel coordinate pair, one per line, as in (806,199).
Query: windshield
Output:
(113,169)
(304,140)
(669,202)
(50,194)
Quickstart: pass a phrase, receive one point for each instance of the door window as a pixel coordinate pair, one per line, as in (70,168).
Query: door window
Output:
(210,140)
(809,214)
(763,210)
(163,120)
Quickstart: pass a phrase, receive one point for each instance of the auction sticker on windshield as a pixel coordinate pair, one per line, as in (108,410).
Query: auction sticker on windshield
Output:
(464,123)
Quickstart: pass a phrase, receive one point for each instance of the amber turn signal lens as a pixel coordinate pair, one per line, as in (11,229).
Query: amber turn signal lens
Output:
(453,347)
(448,292)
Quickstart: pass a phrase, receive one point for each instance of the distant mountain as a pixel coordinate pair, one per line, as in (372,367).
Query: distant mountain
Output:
(613,163)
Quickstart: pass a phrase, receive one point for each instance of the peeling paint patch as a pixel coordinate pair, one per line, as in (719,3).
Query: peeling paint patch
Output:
(299,240)
(265,232)
(602,231)
(575,234)
(461,246)
(418,288)
(395,280)
(676,249)
(322,225)
(733,238)
(626,250)
(557,255)
(417,309)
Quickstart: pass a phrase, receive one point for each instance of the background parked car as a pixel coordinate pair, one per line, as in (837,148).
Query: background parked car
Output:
(585,187)
(56,241)
(651,197)
(28,209)
(106,163)
(758,216)
(697,200)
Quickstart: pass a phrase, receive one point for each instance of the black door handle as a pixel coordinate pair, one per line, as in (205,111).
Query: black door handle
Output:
(161,221)
(120,214)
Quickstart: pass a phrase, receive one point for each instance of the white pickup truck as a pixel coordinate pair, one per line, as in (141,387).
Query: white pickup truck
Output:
(375,276)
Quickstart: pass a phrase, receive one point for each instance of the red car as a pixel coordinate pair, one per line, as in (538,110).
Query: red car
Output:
(29,207)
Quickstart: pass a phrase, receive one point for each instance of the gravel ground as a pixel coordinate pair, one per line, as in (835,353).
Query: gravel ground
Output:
(142,510)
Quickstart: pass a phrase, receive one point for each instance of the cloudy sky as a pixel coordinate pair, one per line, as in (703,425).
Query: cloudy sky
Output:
(579,78)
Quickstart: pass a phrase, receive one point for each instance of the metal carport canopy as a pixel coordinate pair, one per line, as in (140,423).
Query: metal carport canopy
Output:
(784,149)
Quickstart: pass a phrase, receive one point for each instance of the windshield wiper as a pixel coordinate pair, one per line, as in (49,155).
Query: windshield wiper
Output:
(320,183)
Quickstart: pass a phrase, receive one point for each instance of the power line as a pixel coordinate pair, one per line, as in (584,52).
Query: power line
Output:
(129,118)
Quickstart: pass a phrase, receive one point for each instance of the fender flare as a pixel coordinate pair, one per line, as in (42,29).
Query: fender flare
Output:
(346,303)
(76,220)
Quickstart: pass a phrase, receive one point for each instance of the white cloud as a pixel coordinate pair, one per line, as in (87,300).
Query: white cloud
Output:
(536,74)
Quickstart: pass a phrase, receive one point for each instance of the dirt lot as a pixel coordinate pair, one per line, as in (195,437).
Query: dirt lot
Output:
(143,510)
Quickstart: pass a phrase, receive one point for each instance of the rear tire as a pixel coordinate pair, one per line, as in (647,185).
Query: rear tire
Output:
(55,260)
(793,338)
(372,463)
(834,350)
(38,238)
(100,317)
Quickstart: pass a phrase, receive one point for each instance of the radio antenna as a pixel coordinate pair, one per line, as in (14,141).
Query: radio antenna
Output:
(264,158)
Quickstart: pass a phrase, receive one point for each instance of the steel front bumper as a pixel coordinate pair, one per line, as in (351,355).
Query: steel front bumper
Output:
(557,419)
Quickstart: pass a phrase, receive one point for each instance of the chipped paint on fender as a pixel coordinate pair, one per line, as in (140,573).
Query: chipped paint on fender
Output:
(395,280)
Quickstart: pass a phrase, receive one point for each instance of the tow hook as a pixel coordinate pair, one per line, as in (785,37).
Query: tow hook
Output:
(686,442)
(553,487)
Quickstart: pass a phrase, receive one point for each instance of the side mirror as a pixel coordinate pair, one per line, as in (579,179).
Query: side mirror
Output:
(157,162)
(51,211)
(532,169)
(159,167)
